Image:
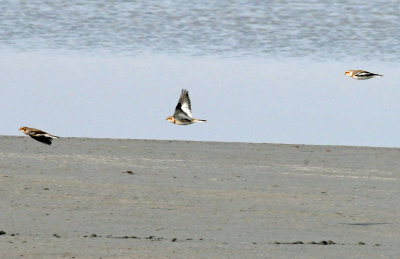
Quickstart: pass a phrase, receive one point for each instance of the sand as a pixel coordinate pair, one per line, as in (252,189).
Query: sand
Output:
(108,198)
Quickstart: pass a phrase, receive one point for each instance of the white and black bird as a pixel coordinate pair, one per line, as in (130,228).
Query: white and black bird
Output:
(38,135)
(360,74)
(183,111)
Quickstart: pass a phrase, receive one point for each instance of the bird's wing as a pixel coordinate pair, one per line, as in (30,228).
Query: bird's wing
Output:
(40,133)
(365,74)
(184,105)
(43,139)
(36,132)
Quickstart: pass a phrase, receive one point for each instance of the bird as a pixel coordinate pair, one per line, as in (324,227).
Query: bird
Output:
(183,111)
(360,74)
(38,135)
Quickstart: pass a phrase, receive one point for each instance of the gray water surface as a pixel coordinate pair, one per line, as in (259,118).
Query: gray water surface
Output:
(366,30)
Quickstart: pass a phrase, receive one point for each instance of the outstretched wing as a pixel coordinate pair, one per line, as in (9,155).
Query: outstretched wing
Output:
(40,133)
(184,106)
(33,132)
(365,74)
(43,139)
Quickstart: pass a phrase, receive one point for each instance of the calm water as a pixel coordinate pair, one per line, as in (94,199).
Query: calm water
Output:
(258,71)
(320,29)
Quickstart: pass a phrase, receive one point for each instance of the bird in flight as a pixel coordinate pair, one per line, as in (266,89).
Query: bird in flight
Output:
(38,135)
(183,111)
(360,74)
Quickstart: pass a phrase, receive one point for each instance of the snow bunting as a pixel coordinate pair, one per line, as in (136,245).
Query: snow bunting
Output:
(183,111)
(360,74)
(38,135)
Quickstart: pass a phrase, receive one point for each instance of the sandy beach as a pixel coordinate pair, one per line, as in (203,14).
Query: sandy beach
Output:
(118,198)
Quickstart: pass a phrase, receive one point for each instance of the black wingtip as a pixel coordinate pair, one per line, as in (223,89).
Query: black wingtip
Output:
(185,93)
(43,139)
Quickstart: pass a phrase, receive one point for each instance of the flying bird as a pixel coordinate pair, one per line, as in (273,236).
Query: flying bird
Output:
(360,74)
(183,111)
(38,135)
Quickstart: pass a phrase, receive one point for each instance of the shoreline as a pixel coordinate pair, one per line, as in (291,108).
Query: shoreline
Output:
(215,141)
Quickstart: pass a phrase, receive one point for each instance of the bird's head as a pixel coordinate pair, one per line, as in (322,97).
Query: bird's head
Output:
(23,129)
(170,118)
(348,73)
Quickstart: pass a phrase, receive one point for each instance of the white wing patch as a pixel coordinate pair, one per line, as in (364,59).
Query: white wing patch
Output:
(51,136)
(186,108)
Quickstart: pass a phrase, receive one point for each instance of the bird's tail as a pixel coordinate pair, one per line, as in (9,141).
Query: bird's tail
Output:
(198,120)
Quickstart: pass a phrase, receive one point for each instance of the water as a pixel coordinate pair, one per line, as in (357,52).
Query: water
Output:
(257,71)
(316,29)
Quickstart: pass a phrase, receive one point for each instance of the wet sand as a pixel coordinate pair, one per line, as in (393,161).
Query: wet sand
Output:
(108,198)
